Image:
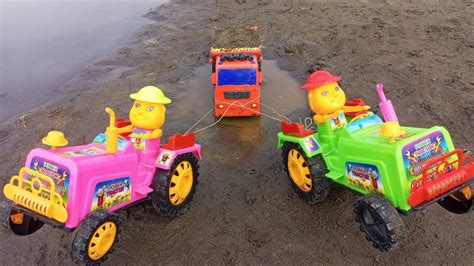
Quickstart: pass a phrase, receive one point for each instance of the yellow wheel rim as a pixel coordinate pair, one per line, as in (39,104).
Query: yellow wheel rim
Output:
(102,240)
(181,183)
(299,170)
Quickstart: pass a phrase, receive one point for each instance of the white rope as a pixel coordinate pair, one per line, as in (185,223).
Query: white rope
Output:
(195,124)
(215,123)
(244,106)
(276,112)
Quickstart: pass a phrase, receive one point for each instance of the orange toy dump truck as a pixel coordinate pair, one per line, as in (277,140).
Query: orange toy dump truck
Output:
(236,59)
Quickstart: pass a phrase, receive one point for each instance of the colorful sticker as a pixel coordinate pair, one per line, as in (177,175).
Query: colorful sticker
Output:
(111,193)
(58,173)
(83,152)
(419,151)
(165,158)
(338,122)
(140,143)
(102,139)
(364,123)
(365,176)
(310,144)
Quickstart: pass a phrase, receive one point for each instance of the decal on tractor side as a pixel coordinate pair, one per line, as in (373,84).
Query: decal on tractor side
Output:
(110,193)
(310,144)
(84,152)
(338,122)
(58,173)
(418,152)
(365,176)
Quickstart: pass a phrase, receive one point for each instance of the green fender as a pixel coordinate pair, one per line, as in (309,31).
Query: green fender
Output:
(309,144)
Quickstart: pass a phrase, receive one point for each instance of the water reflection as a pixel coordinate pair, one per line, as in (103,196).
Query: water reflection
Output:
(44,43)
(239,137)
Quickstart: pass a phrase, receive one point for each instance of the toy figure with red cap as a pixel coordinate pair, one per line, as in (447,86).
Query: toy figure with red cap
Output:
(327,100)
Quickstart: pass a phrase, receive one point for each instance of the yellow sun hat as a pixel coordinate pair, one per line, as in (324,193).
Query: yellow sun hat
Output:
(55,139)
(150,94)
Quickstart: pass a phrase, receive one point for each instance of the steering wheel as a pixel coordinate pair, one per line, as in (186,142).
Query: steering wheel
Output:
(361,116)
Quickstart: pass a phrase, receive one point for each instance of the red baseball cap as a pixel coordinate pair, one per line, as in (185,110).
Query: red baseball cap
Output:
(319,78)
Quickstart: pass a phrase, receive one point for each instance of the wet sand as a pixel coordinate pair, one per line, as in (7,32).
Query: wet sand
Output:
(244,210)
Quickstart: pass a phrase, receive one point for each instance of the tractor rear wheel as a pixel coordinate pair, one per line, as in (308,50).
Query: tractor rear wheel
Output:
(17,222)
(96,237)
(307,175)
(380,222)
(175,188)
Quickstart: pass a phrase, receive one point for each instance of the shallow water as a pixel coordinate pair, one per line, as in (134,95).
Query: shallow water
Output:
(278,91)
(44,43)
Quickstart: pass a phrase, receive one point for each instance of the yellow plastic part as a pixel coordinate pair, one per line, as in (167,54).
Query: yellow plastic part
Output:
(147,115)
(151,94)
(181,183)
(17,218)
(299,170)
(102,240)
(34,195)
(55,139)
(391,129)
(326,99)
(111,133)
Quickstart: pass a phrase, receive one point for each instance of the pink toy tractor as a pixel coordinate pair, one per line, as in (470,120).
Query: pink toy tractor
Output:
(82,187)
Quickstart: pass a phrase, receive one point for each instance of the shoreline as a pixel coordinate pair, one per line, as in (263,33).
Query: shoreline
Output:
(417,51)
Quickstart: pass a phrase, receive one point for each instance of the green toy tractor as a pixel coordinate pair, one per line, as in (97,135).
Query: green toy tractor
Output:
(395,173)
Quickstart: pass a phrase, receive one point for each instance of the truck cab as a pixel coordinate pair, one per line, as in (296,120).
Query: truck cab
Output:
(236,76)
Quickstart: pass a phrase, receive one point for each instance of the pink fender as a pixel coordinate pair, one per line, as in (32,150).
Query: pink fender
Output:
(166,157)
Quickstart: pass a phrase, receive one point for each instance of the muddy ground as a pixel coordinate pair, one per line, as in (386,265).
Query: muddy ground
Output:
(244,210)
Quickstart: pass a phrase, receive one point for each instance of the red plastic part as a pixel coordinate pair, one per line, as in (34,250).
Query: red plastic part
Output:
(121,122)
(435,181)
(355,102)
(319,78)
(295,129)
(180,141)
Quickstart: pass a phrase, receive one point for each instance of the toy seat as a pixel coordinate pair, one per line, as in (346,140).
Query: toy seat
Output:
(355,102)
(180,141)
(295,129)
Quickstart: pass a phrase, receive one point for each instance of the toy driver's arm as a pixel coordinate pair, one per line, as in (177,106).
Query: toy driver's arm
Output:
(125,129)
(351,109)
(319,118)
(156,133)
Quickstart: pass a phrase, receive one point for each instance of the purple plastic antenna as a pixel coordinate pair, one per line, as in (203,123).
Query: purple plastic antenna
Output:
(386,106)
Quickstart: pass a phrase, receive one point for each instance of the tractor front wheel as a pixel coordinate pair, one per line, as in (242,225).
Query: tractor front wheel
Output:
(307,175)
(17,222)
(380,222)
(96,237)
(174,189)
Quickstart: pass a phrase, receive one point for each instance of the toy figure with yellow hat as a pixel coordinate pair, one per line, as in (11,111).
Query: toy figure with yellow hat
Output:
(327,100)
(147,115)
(83,187)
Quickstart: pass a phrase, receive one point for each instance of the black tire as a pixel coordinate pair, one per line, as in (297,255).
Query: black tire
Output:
(28,226)
(160,197)
(380,222)
(85,233)
(320,184)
